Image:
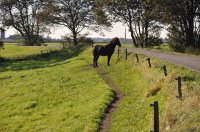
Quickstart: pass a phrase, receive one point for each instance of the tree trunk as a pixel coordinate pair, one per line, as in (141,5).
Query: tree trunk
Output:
(133,37)
(190,40)
(75,39)
(131,29)
(32,40)
(146,33)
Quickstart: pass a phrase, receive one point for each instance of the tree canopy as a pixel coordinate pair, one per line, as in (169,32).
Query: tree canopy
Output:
(76,15)
(182,19)
(22,15)
(143,18)
(137,15)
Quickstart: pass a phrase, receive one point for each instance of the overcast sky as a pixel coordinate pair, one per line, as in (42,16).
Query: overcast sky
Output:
(118,30)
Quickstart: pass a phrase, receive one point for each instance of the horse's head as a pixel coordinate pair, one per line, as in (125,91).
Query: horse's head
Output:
(116,41)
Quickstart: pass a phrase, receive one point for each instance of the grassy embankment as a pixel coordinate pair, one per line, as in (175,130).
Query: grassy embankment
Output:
(62,93)
(142,85)
(56,92)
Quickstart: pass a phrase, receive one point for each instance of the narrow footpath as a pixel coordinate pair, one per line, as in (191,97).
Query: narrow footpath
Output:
(112,107)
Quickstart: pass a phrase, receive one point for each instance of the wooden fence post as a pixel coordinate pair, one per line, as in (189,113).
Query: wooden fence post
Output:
(165,70)
(179,88)
(149,62)
(126,54)
(137,58)
(156,116)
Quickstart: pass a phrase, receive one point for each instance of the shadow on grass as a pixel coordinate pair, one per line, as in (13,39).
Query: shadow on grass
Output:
(51,59)
(189,78)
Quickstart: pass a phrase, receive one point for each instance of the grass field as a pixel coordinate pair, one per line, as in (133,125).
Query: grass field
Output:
(59,92)
(12,50)
(62,92)
(142,85)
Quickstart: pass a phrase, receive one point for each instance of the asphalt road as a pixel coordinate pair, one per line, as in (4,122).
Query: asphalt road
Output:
(188,61)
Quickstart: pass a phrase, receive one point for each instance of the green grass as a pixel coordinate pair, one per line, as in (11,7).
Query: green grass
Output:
(12,50)
(166,48)
(62,92)
(163,47)
(137,80)
(54,44)
(58,92)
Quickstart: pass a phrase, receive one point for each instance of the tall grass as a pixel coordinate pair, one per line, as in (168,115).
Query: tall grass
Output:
(193,51)
(142,85)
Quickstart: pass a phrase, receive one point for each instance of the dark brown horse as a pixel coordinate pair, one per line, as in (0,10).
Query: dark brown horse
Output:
(105,50)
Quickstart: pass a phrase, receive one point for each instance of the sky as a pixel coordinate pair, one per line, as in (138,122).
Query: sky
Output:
(118,30)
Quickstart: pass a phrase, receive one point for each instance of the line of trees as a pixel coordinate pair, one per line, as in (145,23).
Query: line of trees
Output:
(31,18)
(22,15)
(144,18)
(76,15)
(183,20)
(138,16)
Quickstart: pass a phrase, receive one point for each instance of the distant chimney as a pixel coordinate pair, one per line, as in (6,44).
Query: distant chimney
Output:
(125,34)
(2,33)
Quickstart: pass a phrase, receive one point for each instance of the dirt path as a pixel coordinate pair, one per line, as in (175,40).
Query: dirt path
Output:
(111,108)
(188,61)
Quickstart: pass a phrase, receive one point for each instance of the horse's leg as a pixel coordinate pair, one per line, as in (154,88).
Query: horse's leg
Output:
(97,57)
(94,63)
(109,56)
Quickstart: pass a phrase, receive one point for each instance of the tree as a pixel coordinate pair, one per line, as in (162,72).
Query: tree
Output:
(182,18)
(1,48)
(81,38)
(22,15)
(66,41)
(137,15)
(1,45)
(76,15)
(86,41)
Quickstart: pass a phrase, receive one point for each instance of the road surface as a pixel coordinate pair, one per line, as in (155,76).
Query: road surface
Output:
(188,61)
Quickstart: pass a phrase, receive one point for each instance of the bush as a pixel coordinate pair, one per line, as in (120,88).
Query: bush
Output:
(85,40)
(2,59)
(176,40)
(36,40)
(1,45)
(67,42)
(177,47)
(192,50)
(154,41)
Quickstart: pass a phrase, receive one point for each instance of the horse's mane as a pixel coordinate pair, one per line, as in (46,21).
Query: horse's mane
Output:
(113,40)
